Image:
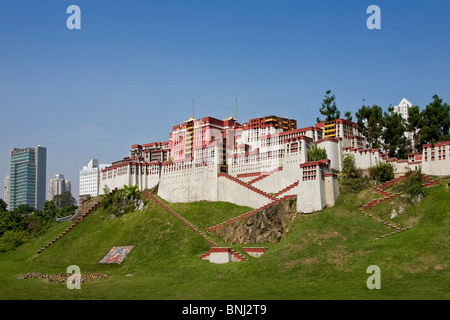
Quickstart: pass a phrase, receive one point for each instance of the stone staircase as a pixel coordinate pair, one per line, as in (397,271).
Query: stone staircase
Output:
(286,189)
(246,185)
(77,220)
(387,197)
(235,256)
(176,215)
(264,175)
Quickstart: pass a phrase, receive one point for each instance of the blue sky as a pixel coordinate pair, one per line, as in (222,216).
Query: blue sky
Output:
(132,70)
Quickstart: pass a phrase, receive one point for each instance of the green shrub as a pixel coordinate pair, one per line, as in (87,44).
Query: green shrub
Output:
(316,153)
(348,166)
(11,239)
(354,185)
(383,172)
(412,184)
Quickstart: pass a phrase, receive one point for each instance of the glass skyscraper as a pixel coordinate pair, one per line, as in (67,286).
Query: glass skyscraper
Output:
(27,177)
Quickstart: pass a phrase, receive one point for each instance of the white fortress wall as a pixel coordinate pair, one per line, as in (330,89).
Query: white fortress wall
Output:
(289,174)
(332,191)
(145,176)
(114,177)
(252,163)
(436,159)
(311,196)
(231,191)
(187,182)
(365,158)
(333,148)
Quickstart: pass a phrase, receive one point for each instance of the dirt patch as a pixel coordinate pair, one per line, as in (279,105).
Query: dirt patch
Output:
(339,257)
(309,261)
(292,263)
(320,238)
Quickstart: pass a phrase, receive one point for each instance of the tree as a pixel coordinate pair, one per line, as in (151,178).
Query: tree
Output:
(64,199)
(12,220)
(414,121)
(384,172)
(434,122)
(3,205)
(348,166)
(348,116)
(395,141)
(49,209)
(24,209)
(130,191)
(370,122)
(329,109)
(316,153)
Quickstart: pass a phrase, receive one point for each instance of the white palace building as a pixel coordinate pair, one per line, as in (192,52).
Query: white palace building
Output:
(257,162)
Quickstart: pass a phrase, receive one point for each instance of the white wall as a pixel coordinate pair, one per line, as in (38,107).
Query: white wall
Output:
(230,191)
(189,183)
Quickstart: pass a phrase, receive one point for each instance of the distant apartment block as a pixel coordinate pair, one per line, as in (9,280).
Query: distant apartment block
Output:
(58,185)
(403,107)
(89,179)
(27,177)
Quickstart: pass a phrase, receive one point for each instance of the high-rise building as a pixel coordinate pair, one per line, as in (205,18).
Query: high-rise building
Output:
(89,179)
(27,177)
(403,107)
(57,185)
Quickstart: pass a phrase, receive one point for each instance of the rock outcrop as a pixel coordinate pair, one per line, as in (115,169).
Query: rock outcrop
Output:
(267,225)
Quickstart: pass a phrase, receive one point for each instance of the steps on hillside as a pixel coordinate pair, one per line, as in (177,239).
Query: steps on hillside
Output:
(265,175)
(293,185)
(430,183)
(176,215)
(247,214)
(78,221)
(259,191)
(222,255)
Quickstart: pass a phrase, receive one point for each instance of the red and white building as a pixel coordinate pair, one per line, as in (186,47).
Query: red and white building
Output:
(257,162)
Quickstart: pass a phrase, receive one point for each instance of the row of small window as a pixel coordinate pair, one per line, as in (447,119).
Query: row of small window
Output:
(433,158)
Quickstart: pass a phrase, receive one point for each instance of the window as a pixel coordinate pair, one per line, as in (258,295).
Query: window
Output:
(309,173)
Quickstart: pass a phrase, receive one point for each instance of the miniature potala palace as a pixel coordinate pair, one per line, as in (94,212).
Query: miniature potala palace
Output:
(258,162)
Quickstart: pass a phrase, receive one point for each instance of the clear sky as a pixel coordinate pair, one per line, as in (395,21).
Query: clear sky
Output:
(133,68)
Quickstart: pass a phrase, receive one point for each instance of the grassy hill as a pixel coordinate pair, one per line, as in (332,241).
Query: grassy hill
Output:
(323,255)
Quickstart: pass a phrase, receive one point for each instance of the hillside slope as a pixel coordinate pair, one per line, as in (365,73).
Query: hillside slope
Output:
(324,255)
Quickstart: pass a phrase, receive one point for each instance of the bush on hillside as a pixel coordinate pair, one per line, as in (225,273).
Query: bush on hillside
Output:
(353,179)
(11,239)
(348,166)
(354,185)
(382,172)
(411,185)
(121,201)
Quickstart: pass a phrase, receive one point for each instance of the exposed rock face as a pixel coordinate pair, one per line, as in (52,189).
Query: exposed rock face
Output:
(267,225)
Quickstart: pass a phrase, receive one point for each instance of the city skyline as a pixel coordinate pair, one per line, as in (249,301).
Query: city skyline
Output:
(132,70)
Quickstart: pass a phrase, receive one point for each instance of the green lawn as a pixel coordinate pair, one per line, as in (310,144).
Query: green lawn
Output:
(323,256)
